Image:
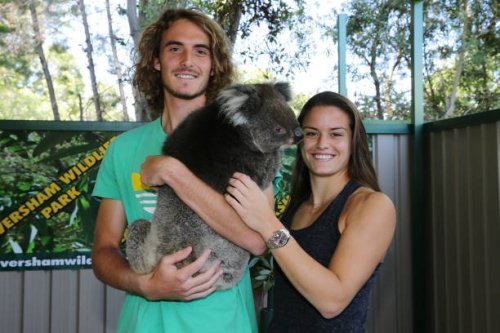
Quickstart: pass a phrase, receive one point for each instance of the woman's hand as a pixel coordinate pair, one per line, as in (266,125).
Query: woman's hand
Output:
(251,203)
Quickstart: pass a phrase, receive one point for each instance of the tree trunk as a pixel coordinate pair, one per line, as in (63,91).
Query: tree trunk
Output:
(450,107)
(39,50)
(388,86)
(133,21)
(228,16)
(116,63)
(376,82)
(80,106)
(91,66)
(141,108)
(371,60)
(378,97)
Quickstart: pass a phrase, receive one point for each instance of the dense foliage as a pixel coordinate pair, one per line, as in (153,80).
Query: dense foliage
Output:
(461,53)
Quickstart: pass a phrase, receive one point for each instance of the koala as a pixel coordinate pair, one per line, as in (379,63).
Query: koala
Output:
(244,129)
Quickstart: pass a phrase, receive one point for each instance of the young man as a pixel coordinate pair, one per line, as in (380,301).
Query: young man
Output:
(183,61)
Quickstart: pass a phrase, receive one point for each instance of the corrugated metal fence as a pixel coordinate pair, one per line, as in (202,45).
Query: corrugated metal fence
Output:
(463,229)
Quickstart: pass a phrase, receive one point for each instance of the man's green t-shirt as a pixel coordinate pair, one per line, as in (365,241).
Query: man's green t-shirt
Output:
(222,311)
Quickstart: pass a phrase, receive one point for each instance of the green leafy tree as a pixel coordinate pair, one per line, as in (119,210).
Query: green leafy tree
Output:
(378,35)
(23,88)
(461,47)
(461,57)
(285,26)
(22,80)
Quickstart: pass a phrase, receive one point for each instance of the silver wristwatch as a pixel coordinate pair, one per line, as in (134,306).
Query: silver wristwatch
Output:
(279,238)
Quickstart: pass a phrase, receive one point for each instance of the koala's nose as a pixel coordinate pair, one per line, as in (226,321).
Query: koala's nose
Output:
(297,134)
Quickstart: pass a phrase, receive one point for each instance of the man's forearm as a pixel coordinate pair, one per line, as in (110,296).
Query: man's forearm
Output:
(112,268)
(211,206)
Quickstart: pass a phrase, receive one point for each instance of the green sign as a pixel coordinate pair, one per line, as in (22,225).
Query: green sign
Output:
(47,213)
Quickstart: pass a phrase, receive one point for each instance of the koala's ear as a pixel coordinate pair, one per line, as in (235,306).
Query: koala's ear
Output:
(231,100)
(284,89)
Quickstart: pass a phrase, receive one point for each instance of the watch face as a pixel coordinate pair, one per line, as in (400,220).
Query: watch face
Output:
(278,239)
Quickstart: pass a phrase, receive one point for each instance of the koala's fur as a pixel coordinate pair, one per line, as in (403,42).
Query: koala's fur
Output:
(244,129)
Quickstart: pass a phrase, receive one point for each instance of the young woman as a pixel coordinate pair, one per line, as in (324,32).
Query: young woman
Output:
(336,230)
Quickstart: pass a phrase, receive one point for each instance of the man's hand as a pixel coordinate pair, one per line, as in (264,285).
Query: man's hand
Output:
(169,282)
(153,169)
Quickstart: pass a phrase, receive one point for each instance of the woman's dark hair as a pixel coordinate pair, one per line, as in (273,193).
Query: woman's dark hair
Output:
(148,80)
(360,166)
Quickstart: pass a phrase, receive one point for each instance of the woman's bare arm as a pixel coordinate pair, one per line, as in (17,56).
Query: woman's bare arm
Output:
(369,228)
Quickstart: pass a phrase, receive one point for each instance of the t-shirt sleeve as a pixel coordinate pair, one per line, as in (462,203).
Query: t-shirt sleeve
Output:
(106,185)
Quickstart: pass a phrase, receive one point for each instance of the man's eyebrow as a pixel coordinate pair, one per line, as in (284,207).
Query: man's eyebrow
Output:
(175,42)
(205,46)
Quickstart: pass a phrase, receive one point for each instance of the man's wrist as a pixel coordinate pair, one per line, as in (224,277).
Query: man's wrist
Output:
(169,173)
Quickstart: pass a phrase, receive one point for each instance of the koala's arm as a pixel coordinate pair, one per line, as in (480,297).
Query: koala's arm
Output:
(165,282)
(209,204)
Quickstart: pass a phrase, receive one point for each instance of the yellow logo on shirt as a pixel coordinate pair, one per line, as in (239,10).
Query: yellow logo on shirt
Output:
(137,184)
(145,194)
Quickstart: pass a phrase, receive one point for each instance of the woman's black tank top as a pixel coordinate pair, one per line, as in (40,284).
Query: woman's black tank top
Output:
(292,312)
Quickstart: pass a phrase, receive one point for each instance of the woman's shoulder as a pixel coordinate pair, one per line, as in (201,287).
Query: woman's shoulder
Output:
(367,196)
(365,203)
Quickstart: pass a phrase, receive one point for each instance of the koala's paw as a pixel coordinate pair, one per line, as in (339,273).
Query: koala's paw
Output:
(135,246)
(228,279)
(234,267)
